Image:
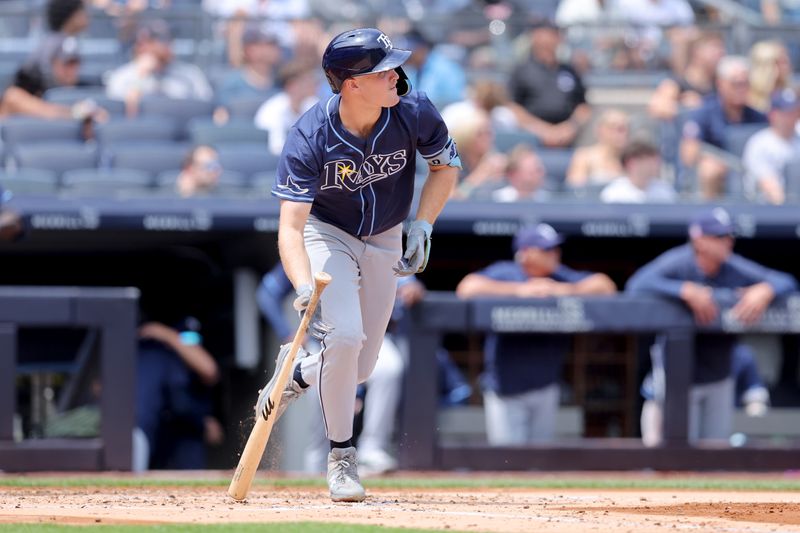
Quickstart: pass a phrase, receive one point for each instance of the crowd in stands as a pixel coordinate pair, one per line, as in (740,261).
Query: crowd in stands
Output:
(514,82)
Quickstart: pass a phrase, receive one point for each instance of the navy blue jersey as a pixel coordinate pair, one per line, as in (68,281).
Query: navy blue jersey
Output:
(517,363)
(363,186)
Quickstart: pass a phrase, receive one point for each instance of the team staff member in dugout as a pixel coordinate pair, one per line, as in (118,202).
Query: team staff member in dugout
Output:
(346,180)
(521,391)
(696,273)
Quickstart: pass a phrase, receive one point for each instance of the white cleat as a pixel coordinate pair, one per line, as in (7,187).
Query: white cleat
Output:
(293,391)
(343,480)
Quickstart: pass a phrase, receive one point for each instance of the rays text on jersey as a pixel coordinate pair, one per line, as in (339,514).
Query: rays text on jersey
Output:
(343,174)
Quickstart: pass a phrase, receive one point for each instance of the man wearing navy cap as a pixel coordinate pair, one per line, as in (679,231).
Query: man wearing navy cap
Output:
(768,152)
(697,273)
(521,391)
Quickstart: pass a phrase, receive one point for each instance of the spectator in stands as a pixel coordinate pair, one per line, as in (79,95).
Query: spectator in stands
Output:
(24,98)
(173,405)
(299,86)
(65,65)
(200,173)
(656,18)
(255,78)
(154,71)
(551,91)
(433,72)
(751,394)
(687,89)
(524,177)
(481,164)
(492,97)
(770,71)
(521,390)
(769,151)
(600,163)
(11,227)
(780,11)
(65,18)
(698,274)
(590,12)
(708,125)
(641,183)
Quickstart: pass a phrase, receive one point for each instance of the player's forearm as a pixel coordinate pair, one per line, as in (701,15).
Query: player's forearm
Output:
(291,244)
(595,284)
(435,192)
(477,285)
(772,189)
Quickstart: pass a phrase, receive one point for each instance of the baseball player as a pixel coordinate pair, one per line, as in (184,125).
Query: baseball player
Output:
(345,181)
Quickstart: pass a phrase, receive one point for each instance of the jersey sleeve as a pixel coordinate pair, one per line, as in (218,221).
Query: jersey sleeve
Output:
(298,170)
(432,137)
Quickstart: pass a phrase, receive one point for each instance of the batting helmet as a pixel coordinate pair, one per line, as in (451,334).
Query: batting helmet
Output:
(363,51)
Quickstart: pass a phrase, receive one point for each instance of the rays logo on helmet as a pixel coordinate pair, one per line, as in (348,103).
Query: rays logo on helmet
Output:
(384,40)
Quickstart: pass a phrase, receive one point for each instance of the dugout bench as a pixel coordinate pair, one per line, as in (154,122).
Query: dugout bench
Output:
(112,313)
(442,313)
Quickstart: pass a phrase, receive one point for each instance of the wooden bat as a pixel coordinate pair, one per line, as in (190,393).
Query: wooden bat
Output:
(254,449)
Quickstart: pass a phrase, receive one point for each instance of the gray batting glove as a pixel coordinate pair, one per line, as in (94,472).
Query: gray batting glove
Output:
(418,247)
(316,327)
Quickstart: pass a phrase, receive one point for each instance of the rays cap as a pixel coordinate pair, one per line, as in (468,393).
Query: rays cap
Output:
(541,236)
(715,223)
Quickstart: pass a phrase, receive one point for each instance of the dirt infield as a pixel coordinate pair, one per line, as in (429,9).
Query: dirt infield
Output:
(492,510)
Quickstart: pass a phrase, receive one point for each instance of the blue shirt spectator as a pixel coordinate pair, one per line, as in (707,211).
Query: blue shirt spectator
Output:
(261,53)
(432,72)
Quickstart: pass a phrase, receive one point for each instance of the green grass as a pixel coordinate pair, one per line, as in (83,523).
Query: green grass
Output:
(536,481)
(292,527)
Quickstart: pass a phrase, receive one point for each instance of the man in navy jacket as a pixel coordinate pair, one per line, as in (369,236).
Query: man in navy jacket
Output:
(697,273)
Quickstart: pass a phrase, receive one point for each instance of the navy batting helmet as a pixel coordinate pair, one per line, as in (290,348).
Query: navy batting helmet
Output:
(363,51)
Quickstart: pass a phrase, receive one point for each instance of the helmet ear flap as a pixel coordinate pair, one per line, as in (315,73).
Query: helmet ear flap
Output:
(403,85)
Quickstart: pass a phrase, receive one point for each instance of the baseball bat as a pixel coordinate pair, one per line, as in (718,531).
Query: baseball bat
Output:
(254,449)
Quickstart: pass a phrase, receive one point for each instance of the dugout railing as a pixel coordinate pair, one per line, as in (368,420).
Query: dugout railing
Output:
(112,313)
(442,313)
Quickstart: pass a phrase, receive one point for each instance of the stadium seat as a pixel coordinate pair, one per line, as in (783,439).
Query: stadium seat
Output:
(249,158)
(262,182)
(18,130)
(736,137)
(58,157)
(70,95)
(153,158)
(147,130)
(244,108)
(29,181)
(180,110)
(204,131)
(556,162)
(106,181)
(505,141)
(229,181)
(792,175)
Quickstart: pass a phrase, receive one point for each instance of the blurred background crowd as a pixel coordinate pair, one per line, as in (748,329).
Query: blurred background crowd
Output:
(602,100)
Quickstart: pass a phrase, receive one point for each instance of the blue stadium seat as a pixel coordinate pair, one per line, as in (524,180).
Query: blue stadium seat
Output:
(262,182)
(229,181)
(106,181)
(736,136)
(505,141)
(70,95)
(29,181)
(204,131)
(556,162)
(244,108)
(792,175)
(139,130)
(154,158)
(56,156)
(180,110)
(18,130)
(249,158)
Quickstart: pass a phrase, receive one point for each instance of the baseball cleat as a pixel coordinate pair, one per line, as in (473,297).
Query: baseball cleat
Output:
(343,481)
(293,391)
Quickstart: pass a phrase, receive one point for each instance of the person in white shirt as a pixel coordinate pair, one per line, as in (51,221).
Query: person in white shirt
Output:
(278,114)
(769,151)
(524,176)
(641,162)
(154,71)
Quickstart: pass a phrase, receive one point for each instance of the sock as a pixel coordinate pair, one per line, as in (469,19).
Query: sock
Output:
(346,444)
(298,377)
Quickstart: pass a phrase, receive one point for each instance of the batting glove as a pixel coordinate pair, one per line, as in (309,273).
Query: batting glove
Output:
(316,327)
(418,247)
